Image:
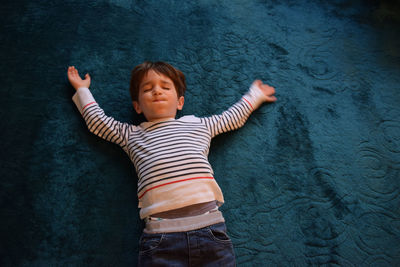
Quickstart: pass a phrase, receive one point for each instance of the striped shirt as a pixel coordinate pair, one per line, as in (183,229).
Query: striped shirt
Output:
(170,156)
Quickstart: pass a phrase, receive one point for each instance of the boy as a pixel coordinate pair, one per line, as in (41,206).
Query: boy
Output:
(178,195)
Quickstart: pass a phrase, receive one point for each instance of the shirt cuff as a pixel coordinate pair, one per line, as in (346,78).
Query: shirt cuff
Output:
(82,98)
(255,96)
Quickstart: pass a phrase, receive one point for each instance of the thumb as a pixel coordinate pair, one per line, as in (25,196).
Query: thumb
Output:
(87,76)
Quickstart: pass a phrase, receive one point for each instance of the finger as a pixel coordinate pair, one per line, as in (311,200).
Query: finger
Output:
(76,73)
(269,89)
(70,72)
(272,90)
(73,73)
(266,85)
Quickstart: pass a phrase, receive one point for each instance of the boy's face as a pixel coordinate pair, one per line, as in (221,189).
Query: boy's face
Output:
(158,99)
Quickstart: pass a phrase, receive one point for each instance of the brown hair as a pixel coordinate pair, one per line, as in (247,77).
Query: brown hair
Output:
(164,68)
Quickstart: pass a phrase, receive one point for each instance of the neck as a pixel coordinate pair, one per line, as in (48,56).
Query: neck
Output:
(161,119)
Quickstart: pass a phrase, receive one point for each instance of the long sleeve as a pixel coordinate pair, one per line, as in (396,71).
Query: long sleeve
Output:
(98,123)
(236,116)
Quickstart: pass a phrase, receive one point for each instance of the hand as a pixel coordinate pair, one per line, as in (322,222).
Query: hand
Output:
(75,79)
(268,91)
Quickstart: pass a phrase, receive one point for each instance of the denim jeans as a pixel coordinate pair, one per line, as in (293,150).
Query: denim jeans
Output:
(209,246)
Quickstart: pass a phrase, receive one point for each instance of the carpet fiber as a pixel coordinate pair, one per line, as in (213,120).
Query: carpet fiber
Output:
(312,179)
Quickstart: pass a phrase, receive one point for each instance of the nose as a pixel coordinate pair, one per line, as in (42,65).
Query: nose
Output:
(156,90)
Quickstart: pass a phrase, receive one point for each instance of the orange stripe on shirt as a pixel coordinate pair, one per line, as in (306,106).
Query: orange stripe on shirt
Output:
(248,103)
(87,105)
(183,180)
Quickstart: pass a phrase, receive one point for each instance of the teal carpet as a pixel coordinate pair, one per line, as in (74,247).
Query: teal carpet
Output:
(311,180)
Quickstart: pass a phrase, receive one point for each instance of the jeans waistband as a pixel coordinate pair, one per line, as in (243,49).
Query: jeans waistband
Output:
(183,224)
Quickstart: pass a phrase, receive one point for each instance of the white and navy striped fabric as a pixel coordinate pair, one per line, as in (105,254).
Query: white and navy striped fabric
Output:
(170,157)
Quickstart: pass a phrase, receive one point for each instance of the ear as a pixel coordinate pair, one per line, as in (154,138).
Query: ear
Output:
(137,107)
(181,101)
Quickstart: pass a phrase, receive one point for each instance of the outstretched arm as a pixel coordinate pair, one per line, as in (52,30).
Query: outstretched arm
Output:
(76,80)
(98,123)
(236,116)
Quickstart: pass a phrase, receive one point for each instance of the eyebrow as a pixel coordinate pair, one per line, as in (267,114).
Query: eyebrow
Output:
(162,81)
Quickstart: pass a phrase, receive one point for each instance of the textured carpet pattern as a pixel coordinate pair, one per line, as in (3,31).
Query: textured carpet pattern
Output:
(312,179)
